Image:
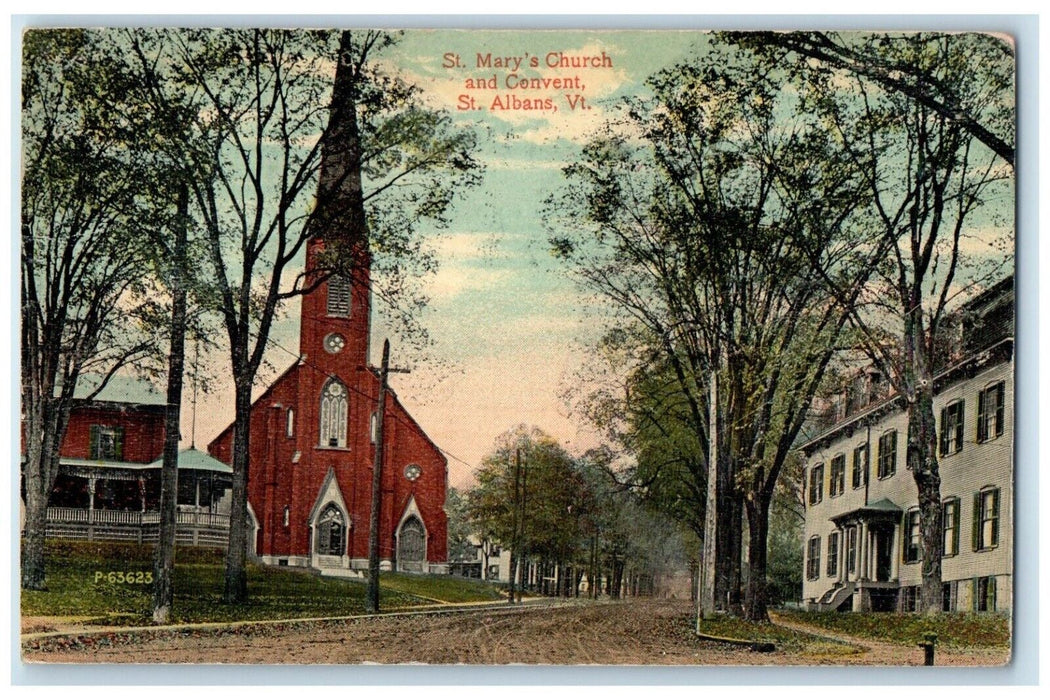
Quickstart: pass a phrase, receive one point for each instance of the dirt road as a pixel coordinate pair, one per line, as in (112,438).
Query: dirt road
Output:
(635,632)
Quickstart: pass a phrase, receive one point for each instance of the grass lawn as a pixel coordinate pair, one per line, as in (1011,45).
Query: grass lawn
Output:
(955,630)
(79,585)
(785,639)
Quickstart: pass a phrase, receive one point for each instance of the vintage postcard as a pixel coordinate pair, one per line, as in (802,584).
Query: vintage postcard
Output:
(634,347)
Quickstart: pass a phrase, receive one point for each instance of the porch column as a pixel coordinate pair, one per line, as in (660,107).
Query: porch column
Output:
(91,498)
(862,551)
(841,554)
(142,492)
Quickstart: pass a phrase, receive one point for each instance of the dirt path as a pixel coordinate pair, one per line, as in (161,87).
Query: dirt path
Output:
(888,654)
(631,632)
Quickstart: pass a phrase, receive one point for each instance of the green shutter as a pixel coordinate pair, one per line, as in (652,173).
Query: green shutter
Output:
(991,594)
(957,514)
(944,431)
(93,443)
(995,519)
(961,422)
(1000,402)
(975,583)
(982,410)
(118,444)
(976,530)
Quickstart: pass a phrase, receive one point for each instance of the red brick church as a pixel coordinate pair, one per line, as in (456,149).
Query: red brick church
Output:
(312,449)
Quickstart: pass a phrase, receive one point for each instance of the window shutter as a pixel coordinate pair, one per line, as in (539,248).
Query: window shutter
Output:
(960,422)
(93,443)
(975,583)
(957,514)
(991,594)
(944,431)
(975,531)
(982,411)
(1000,401)
(118,444)
(995,519)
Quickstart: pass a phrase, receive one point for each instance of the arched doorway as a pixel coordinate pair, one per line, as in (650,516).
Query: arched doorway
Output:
(411,545)
(331,532)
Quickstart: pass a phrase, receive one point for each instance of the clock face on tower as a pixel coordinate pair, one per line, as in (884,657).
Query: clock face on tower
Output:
(334,343)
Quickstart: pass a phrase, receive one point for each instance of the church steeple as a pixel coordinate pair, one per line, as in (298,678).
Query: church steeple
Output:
(335,317)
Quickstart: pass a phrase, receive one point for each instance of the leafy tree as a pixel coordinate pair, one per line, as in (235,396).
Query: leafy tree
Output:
(460,548)
(701,237)
(534,507)
(271,128)
(86,200)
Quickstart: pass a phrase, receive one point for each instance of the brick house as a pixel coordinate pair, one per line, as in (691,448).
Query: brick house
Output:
(312,449)
(108,485)
(862,543)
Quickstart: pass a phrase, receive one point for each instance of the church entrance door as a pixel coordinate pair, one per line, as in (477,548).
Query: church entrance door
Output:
(411,546)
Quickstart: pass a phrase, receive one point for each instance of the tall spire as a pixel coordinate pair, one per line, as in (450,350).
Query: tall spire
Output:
(335,316)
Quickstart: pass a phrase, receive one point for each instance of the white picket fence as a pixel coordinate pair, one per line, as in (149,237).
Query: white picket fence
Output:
(191,528)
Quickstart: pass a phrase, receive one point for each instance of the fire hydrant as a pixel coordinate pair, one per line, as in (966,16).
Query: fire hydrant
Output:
(927,647)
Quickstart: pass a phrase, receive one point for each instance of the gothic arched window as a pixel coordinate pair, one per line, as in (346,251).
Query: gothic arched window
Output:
(333,414)
(331,531)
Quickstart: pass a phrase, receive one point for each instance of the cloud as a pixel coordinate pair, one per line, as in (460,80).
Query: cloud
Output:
(454,280)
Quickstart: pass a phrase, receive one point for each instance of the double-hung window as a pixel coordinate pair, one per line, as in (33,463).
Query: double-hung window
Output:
(950,527)
(813,558)
(952,423)
(912,536)
(887,454)
(990,406)
(860,465)
(986,519)
(816,484)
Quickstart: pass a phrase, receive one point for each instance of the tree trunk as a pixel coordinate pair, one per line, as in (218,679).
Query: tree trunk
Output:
(922,460)
(164,556)
(45,427)
(33,559)
(236,582)
(735,554)
(756,602)
(922,456)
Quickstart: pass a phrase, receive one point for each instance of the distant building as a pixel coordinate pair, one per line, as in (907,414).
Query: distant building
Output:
(862,539)
(487,560)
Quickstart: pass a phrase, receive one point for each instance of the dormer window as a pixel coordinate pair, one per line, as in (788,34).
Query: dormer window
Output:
(338,296)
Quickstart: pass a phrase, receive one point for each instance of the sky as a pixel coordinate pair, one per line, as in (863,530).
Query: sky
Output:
(509,327)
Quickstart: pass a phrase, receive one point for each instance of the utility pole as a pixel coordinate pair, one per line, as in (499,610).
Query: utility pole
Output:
(521,523)
(372,600)
(514,526)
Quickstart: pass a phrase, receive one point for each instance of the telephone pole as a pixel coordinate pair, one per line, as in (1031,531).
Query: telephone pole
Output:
(372,599)
(514,525)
